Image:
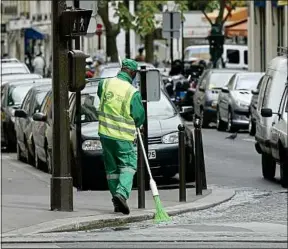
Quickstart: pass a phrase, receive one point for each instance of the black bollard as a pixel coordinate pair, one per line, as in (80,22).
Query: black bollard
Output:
(203,171)
(198,175)
(140,174)
(182,164)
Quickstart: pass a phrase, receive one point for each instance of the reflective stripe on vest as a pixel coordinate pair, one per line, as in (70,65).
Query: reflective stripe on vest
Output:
(114,111)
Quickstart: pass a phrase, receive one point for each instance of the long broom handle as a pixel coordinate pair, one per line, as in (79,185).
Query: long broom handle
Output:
(144,152)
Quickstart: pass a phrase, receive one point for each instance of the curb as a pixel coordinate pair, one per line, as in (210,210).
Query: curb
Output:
(216,197)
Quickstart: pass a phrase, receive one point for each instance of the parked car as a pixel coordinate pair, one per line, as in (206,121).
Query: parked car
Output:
(23,121)
(207,91)
(234,101)
(42,134)
(253,108)
(271,90)
(16,77)
(279,138)
(14,68)
(13,94)
(163,120)
(10,60)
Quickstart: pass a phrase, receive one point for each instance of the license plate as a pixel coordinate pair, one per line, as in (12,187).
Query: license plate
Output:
(151,154)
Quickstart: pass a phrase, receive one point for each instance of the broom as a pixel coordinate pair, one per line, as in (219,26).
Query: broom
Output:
(160,214)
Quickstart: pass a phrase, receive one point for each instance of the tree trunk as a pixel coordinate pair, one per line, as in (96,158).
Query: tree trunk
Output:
(149,48)
(220,17)
(112,30)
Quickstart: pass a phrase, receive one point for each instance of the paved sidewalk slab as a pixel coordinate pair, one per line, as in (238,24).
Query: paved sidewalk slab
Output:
(26,204)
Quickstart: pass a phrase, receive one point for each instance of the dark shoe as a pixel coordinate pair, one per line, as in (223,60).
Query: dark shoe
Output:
(116,208)
(121,203)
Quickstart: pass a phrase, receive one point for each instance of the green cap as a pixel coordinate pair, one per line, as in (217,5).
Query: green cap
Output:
(130,64)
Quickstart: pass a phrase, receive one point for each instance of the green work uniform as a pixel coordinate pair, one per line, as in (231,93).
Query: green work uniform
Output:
(120,155)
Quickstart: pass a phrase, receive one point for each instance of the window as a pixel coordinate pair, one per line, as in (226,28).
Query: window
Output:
(17,94)
(45,103)
(233,56)
(231,82)
(219,80)
(248,82)
(38,100)
(246,57)
(89,105)
(160,109)
(283,103)
(266,92)
(26,102)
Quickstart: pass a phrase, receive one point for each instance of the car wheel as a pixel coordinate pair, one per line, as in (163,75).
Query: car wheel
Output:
(252,127)
(283,168)
(30,159)
(19,153)
(204,121)
(230,126)
(49,161)
(38,163)
(221,125)
(268,166)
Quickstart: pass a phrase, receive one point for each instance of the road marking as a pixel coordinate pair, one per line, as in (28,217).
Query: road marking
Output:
(249,140)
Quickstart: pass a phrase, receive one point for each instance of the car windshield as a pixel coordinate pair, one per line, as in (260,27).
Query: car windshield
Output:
(219,80)
(89,106)
(40,96)
(17,94)
(14,70)
(156,110)
(109,72)
(248,82)
(161,109)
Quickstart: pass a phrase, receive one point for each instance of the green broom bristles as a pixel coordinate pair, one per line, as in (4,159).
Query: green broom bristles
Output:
(160,215)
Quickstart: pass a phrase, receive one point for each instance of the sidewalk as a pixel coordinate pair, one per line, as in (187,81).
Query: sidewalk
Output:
(26,203)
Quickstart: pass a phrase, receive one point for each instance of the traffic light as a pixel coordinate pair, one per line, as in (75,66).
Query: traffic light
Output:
(76,70)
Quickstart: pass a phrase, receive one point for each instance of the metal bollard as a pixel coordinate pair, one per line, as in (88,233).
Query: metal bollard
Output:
(140,175)
(203,171)
(182,164)
(198,175)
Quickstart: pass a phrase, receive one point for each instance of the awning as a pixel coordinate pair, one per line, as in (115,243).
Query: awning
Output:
(237,29)
(239,13)
(32,33)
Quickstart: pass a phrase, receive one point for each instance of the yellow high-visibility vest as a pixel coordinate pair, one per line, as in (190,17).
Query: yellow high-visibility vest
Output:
(282,2)
(114,116)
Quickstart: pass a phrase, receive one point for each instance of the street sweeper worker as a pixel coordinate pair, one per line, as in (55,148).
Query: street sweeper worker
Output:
(120,112)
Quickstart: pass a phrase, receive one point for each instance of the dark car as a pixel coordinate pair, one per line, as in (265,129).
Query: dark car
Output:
(23,121)
(253,108)
(13,94)
(207,92)
(163,120)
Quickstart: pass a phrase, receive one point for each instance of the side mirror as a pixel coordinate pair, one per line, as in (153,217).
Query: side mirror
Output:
(76,70)
(20,113)
(266,112)
(225,89)
(255,92)
(39,117)
(153,84)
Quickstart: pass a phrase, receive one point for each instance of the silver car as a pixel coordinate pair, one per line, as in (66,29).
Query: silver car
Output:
(206,94)
(234,101)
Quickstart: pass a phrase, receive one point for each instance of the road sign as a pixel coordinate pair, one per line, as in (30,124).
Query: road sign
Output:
(75,22)
(171,24)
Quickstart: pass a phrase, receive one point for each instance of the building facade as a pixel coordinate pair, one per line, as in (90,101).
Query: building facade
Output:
(267,31)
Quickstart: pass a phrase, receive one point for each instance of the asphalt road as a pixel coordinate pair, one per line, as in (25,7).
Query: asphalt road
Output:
(255,218)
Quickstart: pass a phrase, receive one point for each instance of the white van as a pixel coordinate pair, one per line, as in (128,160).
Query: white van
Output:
(235,56)
(270,93)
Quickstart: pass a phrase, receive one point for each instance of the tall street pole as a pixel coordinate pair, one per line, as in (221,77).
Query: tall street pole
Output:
(78,120)
(127,35)
(61,181)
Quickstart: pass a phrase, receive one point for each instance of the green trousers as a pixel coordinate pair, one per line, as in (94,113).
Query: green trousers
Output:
(120,160)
